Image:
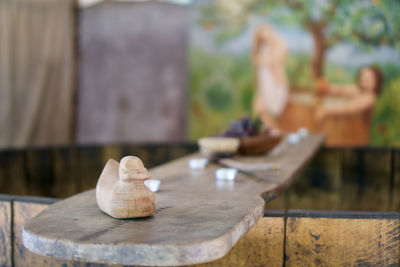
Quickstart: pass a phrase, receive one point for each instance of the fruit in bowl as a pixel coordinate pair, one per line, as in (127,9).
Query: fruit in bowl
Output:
(253,138)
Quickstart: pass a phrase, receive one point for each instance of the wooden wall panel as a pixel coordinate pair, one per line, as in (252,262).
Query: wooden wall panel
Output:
(362,179)
(65,173)
(3,172)
(395,193)
(336,179)
(111,152)
(314,238)
(39,171)
(342,242)
(352,175)
(90,164)
(366,179)
(279,203)
(5,233)
(261,246)
(319,185)
(375,186)
(15,178)
(23,211)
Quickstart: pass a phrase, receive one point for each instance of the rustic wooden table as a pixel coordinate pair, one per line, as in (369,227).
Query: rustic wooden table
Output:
(198,218)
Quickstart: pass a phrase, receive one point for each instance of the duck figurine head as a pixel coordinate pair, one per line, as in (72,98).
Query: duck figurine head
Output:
(120,191)
(131,169)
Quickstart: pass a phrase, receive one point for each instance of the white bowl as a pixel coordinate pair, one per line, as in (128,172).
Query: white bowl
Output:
(218,145)
(153,185)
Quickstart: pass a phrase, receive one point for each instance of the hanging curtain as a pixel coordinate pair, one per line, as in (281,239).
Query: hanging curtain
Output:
(37,62)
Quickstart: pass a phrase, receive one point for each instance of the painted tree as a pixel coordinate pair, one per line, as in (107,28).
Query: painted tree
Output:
(365,23)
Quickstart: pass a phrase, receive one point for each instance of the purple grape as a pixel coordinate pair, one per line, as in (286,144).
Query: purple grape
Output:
(243,127)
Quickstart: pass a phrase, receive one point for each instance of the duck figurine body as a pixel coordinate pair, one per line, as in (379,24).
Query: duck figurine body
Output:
(121,192)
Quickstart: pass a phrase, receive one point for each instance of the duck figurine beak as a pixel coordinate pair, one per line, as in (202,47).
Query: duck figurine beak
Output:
(121,192)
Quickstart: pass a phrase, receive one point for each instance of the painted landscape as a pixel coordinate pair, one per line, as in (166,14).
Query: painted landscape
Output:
(329,40)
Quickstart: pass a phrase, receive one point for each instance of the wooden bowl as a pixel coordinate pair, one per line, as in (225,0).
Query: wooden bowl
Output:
(259,144)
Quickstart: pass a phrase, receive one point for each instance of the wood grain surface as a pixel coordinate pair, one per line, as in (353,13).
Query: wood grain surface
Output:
(395,185)
(5,233)
(23,211)
(66,178)
(261,246)
(360,170)
(198,219)
(319,186)
(342,242)
(14,178)
(348,179)
(313,238)
(121,192)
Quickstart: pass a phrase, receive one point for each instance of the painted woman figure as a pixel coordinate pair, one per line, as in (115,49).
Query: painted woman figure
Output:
(361,99)
(269,57)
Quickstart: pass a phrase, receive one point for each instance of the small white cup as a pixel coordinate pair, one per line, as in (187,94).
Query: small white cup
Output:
(153,185)
(228,174)
(302,132)
(198,163)
(293,138)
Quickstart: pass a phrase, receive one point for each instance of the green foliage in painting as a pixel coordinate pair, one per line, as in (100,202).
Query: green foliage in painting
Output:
(385,128)
(219,92)
(365,23)
(219,97)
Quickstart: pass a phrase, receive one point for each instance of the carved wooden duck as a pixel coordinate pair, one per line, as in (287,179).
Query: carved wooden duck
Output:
(120,191)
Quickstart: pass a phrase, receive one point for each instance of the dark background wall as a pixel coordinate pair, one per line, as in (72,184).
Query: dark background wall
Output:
(132,83)
(37,72)
(112,72)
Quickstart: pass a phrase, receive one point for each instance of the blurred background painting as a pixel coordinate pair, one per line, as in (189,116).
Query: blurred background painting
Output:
(104,71)
(329,66)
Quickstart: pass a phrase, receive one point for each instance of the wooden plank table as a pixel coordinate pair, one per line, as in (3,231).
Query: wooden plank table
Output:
(198,218)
